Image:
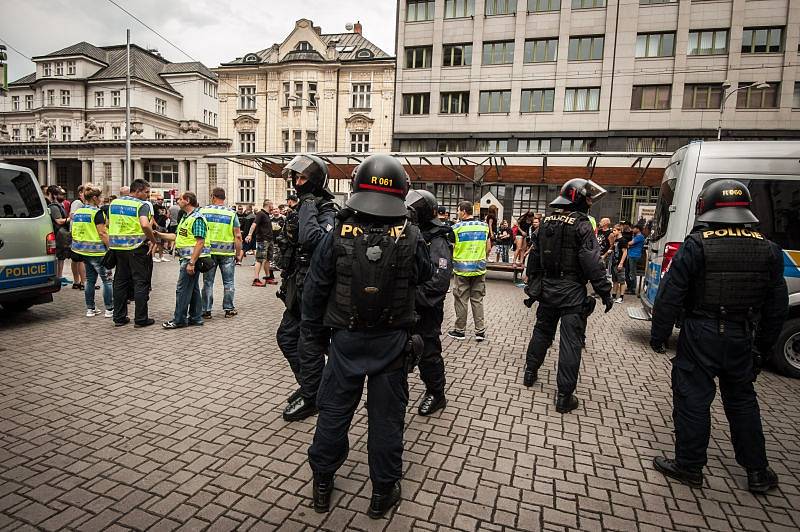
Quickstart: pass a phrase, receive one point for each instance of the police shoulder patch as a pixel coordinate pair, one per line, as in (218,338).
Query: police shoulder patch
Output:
(732,232)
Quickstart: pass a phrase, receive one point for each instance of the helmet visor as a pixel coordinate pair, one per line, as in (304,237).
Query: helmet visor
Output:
(594,191)
(299,165)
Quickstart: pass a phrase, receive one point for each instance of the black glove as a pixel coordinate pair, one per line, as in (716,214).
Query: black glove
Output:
(758,362)
(608,301)
(657,346)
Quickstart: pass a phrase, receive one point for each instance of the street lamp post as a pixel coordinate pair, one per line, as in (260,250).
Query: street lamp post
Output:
(315,105)
(46,128)
(725,86)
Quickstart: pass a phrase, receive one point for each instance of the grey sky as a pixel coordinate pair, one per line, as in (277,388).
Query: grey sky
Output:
(208,30)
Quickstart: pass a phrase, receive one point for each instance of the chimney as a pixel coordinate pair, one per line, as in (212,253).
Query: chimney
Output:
(357,27)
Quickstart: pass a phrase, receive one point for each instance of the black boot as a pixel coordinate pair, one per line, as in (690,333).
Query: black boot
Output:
(383,502)
(761,480)
(323,488)
(300,408)
(431,403)
(566,403)
(673,469)
(530,376)
(295,396)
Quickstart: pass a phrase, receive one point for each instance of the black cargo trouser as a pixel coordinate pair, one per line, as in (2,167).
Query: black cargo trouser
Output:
(431,364)
(134,272)
(703,354)
(306,359)
(573,328)
(288,338)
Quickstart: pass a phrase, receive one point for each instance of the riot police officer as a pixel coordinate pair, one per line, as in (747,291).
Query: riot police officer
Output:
(362,284)
(305,225)
(564,255)
(430,297)
(728,281)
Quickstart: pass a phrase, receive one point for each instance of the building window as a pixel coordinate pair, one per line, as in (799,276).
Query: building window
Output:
(311,141)
(448,196)
(212,178)
(106,176)
(59,69)
(456,55)
(753,98)
(160,135)
(540,6)
(15,103)
(30,134)
(500,7)
(287,94)
(762,40)
(70,68)
(537,100)
(116,133)
(459,8)
(51,97)
(540,50)
(587,4)
(298,140)
(15,134)
(495,102)
(312,93)
(101,133)
(298,94)
(498,53)
(115,98)
(359,142)
(533,145)
(65,98)
(48,70)
(362,99)
(529,198)
(419,10)
(416,104)
(247,142)
(247,190)
(161,106)
(702,96)
(161,172)
(205,116)
(655,45)
(796,98)
(654,2)
(454,103)
(303,46)
(647,144)
(215,120)
(708,42)
(66,133)
(577,144)
(419,57)
(28,102)
(492,145)
(285,140)
(632,197)
(585,48)
(247,98)
(451,145)
(651,97)
(99,99)
(582,99)
(413,145)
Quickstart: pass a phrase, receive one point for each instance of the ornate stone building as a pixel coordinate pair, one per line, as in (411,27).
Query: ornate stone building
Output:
(313,92)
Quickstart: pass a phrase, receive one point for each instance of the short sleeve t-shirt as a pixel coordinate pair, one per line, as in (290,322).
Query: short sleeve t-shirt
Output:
(263,231)
(99,217)
(635,251)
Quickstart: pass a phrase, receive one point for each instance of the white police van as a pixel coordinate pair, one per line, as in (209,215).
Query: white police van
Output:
(771,170)
(27,242)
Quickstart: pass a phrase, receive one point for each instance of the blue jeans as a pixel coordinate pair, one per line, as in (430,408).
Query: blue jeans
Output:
(187,297)
(631,273)
(504,251)
(95,270)
(227,267)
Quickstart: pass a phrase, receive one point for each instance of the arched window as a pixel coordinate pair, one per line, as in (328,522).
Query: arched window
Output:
(251,58)
(303,46)
(364,54)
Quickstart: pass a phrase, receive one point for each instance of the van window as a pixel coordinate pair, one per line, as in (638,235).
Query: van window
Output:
(19,195)
(661,217)
(776,204)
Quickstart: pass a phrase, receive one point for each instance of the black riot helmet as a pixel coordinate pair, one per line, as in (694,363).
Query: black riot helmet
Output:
(423,204)
(726,201)
(379,187)
(313,169)
(578,194)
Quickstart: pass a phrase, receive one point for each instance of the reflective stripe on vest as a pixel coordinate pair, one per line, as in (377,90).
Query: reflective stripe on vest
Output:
(124,230)
(220,229)
(469,253)
(185,240)
(85,238)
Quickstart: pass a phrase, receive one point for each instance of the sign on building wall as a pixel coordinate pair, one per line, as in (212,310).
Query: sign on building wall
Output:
(646,211)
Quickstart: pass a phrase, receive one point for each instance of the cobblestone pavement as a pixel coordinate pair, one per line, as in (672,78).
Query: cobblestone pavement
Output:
(111,428)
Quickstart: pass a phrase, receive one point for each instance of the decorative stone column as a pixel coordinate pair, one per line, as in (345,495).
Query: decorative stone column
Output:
(182,177)
(138,169)
(86,171)
(192,184)
(41,174)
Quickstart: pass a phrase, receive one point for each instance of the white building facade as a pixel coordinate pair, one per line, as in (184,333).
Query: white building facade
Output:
(313,92)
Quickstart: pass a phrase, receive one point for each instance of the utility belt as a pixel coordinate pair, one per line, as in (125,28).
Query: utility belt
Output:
(411,355)
(723,317)
(567,276)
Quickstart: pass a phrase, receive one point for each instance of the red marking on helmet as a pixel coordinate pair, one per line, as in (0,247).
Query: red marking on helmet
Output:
(732,204)
(572,193)
(382,189)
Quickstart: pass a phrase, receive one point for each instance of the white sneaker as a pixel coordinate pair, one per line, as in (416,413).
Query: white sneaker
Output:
(618,300)
(109,314)
(156,259)
(165,259)
(91,312)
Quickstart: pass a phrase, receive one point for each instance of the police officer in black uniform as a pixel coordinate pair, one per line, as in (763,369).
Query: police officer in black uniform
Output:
(564,255)
(727,280)
(305,225)
(362,284)
(430,297)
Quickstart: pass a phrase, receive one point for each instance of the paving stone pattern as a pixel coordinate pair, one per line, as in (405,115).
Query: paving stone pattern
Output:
(105,428)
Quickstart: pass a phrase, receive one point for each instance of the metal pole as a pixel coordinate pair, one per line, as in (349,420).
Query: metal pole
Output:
(127,180)
(49,171)
(721,112)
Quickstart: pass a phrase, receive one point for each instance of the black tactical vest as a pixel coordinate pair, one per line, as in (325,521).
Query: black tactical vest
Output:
(558,245)
(737,266)
(288,242)
(375,276)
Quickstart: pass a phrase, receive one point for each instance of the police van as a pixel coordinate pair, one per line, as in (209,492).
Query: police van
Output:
(27,242)
(771,170)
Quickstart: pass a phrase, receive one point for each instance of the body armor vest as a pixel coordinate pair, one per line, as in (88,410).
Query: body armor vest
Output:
(736,272)
(558,245)
(288,242)
(375,285)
